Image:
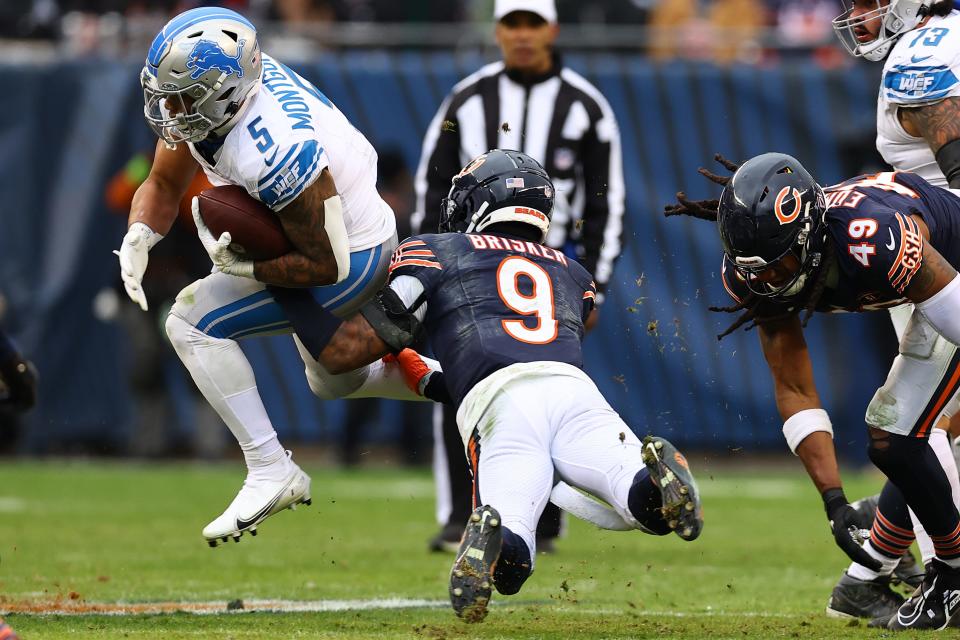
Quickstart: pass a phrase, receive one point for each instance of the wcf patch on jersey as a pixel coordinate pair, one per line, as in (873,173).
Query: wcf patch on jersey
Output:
(918,83)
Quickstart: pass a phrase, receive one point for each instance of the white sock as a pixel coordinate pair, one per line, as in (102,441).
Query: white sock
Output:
(861,572)
(225,378)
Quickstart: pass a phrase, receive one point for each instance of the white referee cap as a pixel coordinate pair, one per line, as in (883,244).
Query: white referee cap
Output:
(546,9)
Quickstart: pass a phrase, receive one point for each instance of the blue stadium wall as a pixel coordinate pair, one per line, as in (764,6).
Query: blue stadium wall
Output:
(69,127)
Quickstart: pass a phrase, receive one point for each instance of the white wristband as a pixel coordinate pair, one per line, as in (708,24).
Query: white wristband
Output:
(803,423)
(337,235)
(150,237)
(941,310)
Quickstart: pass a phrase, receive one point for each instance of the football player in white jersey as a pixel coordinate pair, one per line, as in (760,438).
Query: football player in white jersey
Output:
(918,130)
(219,104)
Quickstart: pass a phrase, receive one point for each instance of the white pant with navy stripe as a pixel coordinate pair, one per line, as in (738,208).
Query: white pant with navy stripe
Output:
(211,314)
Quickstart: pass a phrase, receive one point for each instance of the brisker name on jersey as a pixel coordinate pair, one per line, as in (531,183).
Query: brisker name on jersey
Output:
(510,244)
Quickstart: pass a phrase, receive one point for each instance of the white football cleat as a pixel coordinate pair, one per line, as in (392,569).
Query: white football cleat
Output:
(259,498)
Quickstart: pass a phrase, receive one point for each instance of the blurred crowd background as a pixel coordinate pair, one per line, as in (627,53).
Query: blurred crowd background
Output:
(686,78)
(721,30)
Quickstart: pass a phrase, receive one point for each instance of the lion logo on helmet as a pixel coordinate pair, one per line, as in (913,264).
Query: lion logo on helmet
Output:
(207,55)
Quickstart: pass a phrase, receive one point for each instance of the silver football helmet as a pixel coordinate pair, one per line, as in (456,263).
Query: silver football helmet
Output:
(896,18)
(199,71)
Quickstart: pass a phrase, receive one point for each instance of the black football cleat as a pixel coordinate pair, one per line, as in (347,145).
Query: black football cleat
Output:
(870,599)
(934,604)
(681,498)
(471,578)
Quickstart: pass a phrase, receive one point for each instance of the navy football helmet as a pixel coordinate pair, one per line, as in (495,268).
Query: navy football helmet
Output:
(771,207)
(498,186)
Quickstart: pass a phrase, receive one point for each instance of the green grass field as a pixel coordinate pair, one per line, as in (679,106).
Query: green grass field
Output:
(89,535)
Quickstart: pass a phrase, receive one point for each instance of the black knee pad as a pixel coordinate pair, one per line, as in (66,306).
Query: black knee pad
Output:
(893,453)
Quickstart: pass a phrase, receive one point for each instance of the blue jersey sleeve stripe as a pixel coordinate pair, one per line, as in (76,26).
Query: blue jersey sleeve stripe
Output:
(280,165)
(918,68)
(926,97)
(293,189)
(305,178)
(285,199)
(920,85)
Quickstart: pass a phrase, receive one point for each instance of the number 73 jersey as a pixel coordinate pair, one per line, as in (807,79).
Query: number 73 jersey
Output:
(495,300)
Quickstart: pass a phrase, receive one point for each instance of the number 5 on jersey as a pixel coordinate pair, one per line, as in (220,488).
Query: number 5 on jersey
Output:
(538,303)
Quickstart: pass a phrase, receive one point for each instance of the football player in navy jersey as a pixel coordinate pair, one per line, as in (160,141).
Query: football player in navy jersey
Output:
(792,248)
(505,314)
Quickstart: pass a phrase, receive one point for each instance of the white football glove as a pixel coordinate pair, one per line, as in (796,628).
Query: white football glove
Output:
(223,257)
(133,254)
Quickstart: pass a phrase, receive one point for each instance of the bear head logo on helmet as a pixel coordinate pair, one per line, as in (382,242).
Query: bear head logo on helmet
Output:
(771,219)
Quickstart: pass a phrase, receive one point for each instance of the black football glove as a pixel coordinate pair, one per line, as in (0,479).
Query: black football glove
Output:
(18,384)
(845,525)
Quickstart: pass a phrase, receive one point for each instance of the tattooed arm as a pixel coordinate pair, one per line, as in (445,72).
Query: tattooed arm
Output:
(353,345)
(312,263)
(934,274)
(937,123)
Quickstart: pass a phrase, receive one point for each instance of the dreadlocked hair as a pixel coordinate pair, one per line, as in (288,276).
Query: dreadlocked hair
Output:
(702,209)
(752,304)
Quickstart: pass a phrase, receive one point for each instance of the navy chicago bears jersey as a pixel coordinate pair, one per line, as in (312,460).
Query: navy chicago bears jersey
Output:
(877,244)
(495,300)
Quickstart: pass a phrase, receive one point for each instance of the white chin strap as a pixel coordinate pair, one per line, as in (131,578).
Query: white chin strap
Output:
(479,214)
(525,215)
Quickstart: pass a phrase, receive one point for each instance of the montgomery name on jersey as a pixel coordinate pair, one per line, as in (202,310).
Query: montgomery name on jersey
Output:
(923,68)
(495,300)
(877,241)
(286,137)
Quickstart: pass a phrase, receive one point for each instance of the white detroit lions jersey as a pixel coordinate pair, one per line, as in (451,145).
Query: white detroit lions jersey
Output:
(922,68)
(285,138)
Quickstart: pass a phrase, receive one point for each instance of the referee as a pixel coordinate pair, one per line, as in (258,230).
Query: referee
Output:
(530,102)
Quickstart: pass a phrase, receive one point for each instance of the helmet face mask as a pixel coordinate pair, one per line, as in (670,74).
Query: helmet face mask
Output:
(895,18)
(498,187)
(771,223)
(175,115)
(200,69)
(783,278)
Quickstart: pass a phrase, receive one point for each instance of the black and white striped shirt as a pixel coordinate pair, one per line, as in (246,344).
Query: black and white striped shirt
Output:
(558,118)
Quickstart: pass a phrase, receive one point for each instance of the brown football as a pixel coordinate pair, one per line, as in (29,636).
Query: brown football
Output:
(256,230)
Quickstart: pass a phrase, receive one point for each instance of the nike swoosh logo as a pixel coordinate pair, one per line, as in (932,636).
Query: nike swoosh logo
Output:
(893,242)
(243,524)
(915,59)
(272,158)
